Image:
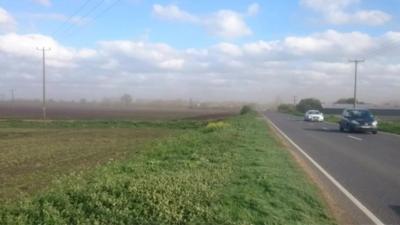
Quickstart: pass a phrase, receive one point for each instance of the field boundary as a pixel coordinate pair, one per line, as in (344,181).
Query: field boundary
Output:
(343,190)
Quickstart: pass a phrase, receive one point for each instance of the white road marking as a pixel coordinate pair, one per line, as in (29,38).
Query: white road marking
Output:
(355,138)
(353,199)
(325,128)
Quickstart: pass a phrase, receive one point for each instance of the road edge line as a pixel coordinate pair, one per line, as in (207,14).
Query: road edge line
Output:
(353,199)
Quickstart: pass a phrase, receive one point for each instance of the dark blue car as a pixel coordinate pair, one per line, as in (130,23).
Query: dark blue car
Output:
(358,120)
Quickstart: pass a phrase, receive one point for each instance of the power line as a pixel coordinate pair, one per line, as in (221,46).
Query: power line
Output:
(81,19)
(85,16)
(104,11)
(12,90)
(70,18)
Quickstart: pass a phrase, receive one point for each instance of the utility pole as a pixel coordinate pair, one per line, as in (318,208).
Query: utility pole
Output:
(12,90)
(191,103)
(356,62)
(43,50)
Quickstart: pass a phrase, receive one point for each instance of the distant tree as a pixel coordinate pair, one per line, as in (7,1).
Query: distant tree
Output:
(83,101)
(126,99)
(347,101)
(286,108)
(309,103)
(247,109)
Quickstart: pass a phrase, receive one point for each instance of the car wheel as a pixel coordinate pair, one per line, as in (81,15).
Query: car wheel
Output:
(341,128)
(375,132)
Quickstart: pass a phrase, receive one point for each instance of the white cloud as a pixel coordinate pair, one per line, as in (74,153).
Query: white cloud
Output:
(228,49)
(253,9)
(313,65)
(172,64)
(328,5)
(223,23)
(43,2)
(24,47)
(372,17)
(337,12)
(330,44)
(173,12)
(259,47)
(7,22)
(228,24)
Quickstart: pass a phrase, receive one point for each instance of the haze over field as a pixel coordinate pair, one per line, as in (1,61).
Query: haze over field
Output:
(241,50)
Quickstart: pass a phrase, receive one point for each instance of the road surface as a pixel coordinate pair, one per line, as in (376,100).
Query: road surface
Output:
(367,165)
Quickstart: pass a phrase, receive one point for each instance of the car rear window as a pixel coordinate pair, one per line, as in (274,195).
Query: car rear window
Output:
(361,114)
(314,112)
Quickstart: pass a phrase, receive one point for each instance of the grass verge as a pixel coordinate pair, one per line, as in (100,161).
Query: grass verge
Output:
(233,172)
(331,118)
(390,126)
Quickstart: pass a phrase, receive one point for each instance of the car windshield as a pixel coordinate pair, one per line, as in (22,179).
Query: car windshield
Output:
(361,114)
(314,112)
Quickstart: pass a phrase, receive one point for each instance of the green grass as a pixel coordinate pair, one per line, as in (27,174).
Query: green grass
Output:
(292,112)
(331,118)
(79,124)
(390,126)
(233,172)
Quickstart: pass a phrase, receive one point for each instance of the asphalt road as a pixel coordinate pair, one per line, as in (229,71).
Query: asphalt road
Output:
(367,165)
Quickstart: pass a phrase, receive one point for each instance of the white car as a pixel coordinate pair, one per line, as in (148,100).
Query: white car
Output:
(314,115)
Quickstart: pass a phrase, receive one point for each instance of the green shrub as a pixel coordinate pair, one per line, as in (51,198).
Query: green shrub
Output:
(309,103)
(286,108)
(212,126)
(348,101)
(247,109)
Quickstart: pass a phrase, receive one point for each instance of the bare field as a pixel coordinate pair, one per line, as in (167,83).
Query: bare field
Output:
(78,111)
(79,138)
(30,159)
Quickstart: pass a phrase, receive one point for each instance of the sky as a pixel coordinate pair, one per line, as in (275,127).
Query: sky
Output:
(241,50)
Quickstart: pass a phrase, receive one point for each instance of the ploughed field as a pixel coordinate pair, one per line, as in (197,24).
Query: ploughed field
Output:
(33,153)
(82,111)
